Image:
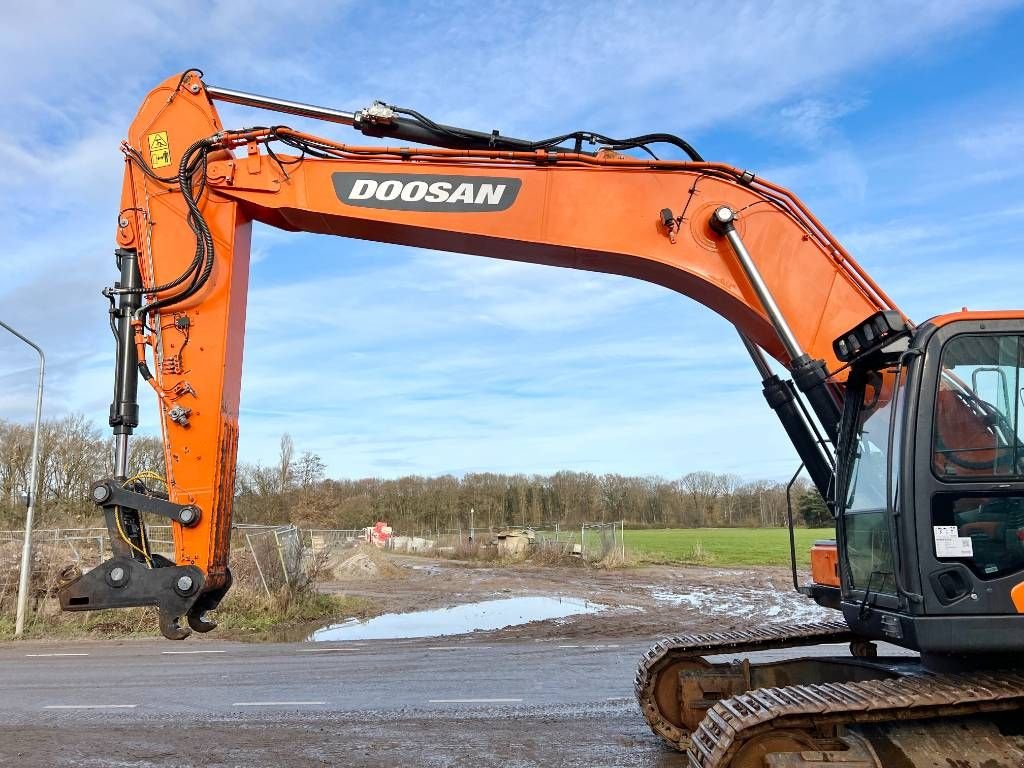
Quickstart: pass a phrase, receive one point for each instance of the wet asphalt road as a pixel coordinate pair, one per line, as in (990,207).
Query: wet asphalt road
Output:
(451,702)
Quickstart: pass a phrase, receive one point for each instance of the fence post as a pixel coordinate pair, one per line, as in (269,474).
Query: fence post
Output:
(256,560)
(281,551)
(280,556)
(622,538)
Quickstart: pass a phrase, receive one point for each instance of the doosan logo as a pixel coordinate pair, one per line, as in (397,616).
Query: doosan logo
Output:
(426,192)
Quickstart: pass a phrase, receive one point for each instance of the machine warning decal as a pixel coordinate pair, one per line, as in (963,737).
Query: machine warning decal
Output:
(949,542)
(426,191)
(159,149)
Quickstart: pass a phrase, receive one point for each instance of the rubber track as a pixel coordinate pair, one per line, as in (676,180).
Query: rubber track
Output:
(683,647)
(731,722)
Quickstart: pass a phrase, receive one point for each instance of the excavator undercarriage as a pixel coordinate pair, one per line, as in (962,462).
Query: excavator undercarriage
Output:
(858,710)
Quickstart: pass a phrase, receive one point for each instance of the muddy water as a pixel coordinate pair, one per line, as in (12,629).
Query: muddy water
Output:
(459,619)
(734,602)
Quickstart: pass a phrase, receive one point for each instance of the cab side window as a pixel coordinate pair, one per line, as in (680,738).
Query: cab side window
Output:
(978,409)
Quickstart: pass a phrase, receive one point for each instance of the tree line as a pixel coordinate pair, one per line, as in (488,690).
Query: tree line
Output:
(294,488)
(72,454)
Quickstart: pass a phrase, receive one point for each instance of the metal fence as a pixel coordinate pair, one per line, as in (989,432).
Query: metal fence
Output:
(278,554)
(319,539)
(285,554)
(85,546)
(590,541)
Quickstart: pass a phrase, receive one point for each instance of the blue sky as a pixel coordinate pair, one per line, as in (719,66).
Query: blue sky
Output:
(898,123)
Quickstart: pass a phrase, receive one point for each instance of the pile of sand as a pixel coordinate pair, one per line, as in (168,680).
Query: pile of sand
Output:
(364,563)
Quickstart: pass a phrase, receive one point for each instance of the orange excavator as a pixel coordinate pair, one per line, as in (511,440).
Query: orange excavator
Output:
(912,432)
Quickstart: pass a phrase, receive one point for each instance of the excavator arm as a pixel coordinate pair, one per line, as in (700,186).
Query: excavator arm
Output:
(747,249)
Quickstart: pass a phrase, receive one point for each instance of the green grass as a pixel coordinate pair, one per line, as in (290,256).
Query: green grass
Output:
(252,616)
(243,616)
(723,546)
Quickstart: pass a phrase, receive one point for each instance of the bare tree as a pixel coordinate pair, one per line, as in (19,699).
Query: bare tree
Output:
(284,463)
(294,488)
(703,488)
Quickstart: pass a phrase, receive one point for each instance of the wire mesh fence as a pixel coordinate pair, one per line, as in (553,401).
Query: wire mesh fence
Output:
(278,554)
(320,539)
(86,546)
(590,541)
(284,555)
(602,540)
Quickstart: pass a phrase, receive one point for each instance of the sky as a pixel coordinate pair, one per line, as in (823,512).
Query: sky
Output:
(898,123)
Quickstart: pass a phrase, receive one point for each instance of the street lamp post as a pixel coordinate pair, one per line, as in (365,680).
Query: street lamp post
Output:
(26,549)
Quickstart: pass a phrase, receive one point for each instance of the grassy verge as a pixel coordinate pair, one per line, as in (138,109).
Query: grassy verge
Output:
(251,616)
(723,546)
(244,615)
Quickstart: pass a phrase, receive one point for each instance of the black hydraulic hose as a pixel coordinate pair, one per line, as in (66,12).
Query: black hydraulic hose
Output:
(421,129)
(196,262)
(792,533)
(204,240)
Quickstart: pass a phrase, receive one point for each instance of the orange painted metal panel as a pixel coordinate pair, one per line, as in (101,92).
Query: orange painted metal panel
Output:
(1017,595)
(825,564)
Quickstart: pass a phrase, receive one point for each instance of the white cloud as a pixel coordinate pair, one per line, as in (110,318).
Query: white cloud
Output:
(452,362)
(812,120)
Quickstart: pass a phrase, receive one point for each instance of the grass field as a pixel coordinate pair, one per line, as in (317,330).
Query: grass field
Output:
(723,546)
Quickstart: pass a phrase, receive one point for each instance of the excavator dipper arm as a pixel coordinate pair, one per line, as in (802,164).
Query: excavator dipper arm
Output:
(192,189)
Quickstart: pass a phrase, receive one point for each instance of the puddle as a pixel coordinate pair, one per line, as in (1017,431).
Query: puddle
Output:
(767,605)
(428,569)
(489,614)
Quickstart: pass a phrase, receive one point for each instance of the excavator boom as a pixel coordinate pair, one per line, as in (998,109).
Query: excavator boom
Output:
(192,189)
(885,420)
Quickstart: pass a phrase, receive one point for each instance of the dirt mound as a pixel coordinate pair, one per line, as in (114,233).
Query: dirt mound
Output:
(364,563)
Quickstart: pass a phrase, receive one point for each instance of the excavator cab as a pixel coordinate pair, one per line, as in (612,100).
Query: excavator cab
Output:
(928,493)
(930,488)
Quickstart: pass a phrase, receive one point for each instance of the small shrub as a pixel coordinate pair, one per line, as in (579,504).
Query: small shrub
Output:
(554,555)
(616,558)
(472,551)
(698,555)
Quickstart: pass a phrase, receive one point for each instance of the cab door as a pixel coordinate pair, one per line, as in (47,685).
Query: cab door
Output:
(874,401)
(969,462)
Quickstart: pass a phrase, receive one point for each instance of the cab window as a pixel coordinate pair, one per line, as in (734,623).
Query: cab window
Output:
(978,406)
(994,524)
(868,543)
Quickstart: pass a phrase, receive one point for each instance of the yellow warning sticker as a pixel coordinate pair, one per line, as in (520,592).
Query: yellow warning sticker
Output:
(159,149)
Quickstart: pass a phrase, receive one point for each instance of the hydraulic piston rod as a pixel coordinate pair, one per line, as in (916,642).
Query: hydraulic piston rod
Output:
(783,398)
(124,408)
(381,121)
(280,105)
(811,376)
(723,222)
